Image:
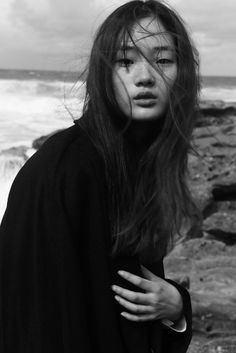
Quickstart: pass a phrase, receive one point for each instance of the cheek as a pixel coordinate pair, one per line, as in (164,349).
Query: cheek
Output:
(120,88)
(173,76)
(167,84)
(121,94)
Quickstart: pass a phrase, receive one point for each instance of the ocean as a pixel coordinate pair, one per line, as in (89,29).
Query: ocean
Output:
(36,103)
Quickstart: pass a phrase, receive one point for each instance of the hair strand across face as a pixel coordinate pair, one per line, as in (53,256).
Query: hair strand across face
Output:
(147,212)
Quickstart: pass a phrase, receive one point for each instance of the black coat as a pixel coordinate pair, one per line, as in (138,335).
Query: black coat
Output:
(55,269)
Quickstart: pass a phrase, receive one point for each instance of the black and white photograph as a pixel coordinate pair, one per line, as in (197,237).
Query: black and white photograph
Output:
(117,176)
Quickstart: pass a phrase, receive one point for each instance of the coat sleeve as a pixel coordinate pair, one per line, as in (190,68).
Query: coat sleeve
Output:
(35,266)
(54,276)
(179,341)
(173,341)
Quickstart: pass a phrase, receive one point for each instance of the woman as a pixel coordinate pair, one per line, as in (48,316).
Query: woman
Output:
(103,196)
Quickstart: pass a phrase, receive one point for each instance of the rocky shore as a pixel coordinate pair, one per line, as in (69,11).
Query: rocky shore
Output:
(204,257)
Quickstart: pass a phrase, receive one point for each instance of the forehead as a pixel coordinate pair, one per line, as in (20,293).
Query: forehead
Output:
(149,32)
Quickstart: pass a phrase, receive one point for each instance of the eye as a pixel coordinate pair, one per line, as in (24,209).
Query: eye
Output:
(124,62)
(164,61)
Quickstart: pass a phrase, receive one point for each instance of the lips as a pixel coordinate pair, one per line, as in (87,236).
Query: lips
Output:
(145,95)
(145,99)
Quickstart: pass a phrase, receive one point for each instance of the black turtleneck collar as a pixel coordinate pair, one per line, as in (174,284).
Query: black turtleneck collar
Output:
(141,134)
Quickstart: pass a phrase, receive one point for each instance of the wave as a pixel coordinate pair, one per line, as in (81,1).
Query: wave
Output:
(29,109)
(41,88)
(225,94)
(9,167)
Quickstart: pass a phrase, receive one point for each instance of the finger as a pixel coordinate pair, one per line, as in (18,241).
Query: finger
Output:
(135,297)
(135,308)
(137,281)
(132,317)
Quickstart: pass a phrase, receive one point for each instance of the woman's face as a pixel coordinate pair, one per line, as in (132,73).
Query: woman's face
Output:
(141,89)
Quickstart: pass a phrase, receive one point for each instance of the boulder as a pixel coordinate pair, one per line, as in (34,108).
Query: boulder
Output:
(221,226)
(210,267)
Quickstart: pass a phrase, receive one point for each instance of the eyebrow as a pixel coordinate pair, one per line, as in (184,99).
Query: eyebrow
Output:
(158,48)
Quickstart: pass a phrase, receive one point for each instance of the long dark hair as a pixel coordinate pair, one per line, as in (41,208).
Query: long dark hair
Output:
(144,216)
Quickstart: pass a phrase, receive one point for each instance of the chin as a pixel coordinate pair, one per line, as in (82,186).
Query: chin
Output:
(146,114)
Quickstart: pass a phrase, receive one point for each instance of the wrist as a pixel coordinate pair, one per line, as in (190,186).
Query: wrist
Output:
(177,312)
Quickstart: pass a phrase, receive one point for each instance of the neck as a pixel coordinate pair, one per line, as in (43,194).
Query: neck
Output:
(142,133)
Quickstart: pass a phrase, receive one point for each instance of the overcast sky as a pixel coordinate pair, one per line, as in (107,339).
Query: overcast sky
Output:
(56,34)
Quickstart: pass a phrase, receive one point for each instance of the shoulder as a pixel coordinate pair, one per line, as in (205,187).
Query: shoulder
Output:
(71,147)
(64,155)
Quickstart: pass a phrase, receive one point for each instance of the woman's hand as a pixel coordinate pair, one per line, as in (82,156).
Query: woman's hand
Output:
(161,300)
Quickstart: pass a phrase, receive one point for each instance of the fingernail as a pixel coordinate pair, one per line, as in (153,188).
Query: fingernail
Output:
(121,273)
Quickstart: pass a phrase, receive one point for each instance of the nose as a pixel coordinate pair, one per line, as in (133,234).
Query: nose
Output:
(144,75)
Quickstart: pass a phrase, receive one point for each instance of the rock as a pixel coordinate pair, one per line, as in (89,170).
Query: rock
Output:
(212,174)
(216,139)
(226,206)
(210,266)
(216,104)
(206,256)
(211,121)
(202,194)
(206,132)
(217,108)
(20,151)
(224,192)
(200,187)
(196,249)
(183,281)
(219,345)
(221,226)
(216,112)
(11,160)
(37,143)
